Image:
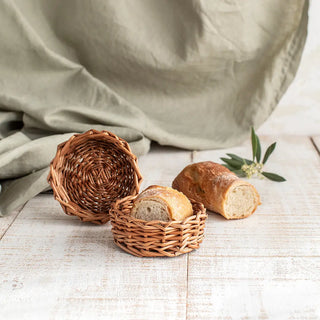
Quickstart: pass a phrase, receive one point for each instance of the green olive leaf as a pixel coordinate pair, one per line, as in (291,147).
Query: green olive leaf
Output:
(258,153)
(273,176)
(235,157)
(236,164)
(254,143)
(248,161)
(228,167)
(268,152)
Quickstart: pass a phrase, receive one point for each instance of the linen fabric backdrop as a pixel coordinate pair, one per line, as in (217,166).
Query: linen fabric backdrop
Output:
(194,74)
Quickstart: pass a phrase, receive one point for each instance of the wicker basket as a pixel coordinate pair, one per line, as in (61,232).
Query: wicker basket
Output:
(156,238)
(91,171)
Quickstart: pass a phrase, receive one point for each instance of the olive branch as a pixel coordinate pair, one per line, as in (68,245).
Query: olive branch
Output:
(243,167)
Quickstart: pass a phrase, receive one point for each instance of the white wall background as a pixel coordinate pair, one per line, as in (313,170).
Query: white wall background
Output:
(299,109)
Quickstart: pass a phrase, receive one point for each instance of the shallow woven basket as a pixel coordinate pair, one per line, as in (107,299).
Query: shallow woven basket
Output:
(91,171)
(156,238)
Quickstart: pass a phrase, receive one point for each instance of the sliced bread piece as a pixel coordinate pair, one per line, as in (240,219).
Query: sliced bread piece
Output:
(161,203)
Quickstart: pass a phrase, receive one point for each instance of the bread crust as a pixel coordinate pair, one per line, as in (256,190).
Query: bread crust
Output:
(178,205)
(209,183)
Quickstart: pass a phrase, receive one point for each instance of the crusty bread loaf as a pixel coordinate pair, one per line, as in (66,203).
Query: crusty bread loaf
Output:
(219,189)
(161,203)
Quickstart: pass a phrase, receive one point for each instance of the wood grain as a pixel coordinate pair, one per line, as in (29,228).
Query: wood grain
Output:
(43,206)
(69,269)
(162,165)
(316,142)
(55,267)
(7,221)
(268,265)
(264,267)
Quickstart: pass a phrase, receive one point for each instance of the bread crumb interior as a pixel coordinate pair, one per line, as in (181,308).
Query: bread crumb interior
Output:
(151,210)
(241,201)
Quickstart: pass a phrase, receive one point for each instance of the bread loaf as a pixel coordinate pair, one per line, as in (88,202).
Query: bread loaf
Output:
(219,189)
(161,203)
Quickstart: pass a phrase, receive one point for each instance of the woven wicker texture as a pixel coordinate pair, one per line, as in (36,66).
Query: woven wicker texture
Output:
(156,238)
(92,170)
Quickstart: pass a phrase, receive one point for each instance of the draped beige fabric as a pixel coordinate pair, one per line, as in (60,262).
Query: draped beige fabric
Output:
(194,74)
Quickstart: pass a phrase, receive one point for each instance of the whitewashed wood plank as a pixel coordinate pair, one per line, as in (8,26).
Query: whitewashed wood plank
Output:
(64,268)
(162,164)
(251,268)
(54,266)
(44,206)
(316,141)
(277,235)
(268,265)
(270,299)
(6,221)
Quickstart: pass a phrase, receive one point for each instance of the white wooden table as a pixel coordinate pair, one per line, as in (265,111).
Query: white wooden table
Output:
(267,266)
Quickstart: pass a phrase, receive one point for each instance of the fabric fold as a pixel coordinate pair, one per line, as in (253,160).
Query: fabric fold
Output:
(190,74)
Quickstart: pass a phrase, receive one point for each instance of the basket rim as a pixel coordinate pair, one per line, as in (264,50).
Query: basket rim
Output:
(164,224)
(57,163)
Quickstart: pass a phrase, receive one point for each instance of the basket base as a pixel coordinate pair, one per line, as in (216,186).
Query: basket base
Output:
(153,253)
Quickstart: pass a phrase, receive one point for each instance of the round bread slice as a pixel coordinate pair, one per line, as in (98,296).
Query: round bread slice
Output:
(241,200)
(161,203)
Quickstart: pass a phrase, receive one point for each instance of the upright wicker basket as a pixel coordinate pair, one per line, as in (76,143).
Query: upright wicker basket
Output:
(90,172)
(156,238)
